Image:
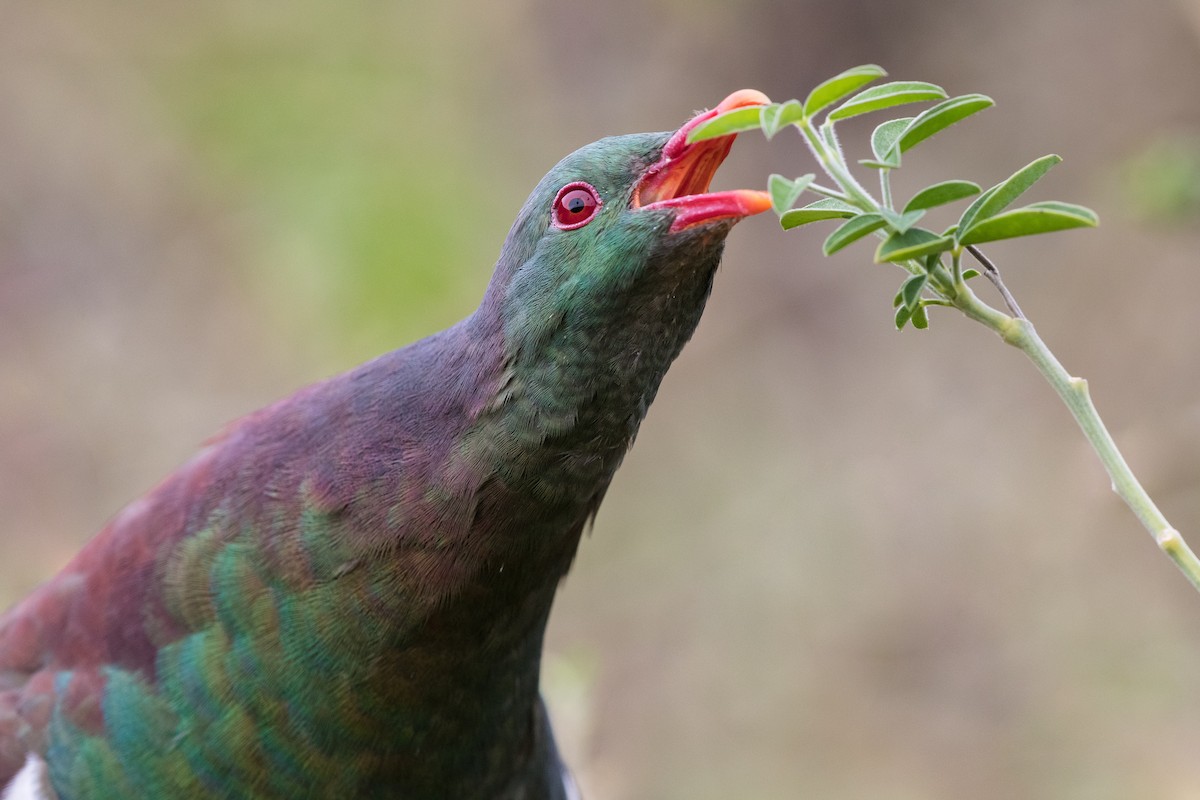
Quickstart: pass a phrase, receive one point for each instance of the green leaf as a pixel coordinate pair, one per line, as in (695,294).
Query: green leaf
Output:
(920,318)
(941,193)
(1029,220)
(910,292)
(747,118)
(913,243)
(852,230)
(972,211)
(784,192)
(889,94)
(970,273)
(942,116)
(835,203)
(815,212)
(840,86)
(903,315)
(1001,196)
(883,141)
(775,117)
(902,222)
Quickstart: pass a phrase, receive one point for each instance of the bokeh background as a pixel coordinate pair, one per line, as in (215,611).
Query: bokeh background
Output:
(841,562)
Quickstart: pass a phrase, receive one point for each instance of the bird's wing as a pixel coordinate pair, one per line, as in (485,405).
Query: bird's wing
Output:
(102,609)
(251,549)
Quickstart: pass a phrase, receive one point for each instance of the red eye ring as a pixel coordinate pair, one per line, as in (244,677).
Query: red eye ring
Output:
(576,205)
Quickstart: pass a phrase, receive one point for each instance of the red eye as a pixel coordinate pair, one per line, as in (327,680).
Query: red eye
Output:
(575,205)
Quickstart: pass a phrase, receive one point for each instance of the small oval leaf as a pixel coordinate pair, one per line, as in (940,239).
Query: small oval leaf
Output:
(1030,220)
(903,315)
(902,222)
(942,116)
(1068,208)
(941,193)
(851,231)
(913,243)
(889,94)
(910,292)
(883,141)
(747,118)
(784,192)
(1001,196)
(920,318)
(839,86)
(775,117)
(815,212)
(834,204)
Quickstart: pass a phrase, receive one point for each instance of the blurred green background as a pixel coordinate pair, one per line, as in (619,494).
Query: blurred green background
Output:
(841,562)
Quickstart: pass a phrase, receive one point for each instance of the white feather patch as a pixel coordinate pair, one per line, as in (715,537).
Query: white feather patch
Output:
(568,782)
(31,783)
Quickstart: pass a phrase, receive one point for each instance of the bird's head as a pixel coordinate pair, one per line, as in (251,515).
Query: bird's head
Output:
(606,270)
(616,224)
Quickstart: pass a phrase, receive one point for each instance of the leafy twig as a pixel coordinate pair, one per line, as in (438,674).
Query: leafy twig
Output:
(920,252)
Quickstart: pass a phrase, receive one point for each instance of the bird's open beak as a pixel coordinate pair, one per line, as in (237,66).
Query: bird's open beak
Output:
(680,179)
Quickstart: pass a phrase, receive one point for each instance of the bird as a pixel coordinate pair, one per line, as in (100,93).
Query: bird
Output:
(345,593)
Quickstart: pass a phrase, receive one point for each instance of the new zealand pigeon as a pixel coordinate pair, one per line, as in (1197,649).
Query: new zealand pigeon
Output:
(344,594)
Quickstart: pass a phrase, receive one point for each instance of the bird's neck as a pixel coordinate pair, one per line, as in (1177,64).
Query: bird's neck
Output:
(579,377)
(531,466)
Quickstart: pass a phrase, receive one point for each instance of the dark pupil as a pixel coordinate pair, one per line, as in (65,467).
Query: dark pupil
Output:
(575,204)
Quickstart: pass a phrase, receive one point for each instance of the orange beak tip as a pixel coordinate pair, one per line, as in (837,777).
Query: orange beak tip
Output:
(743,98)
(756,202)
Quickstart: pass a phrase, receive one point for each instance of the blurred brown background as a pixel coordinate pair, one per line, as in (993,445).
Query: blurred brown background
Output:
(841,562)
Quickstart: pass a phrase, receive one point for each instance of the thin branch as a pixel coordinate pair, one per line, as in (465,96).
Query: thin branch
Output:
(1074,393)
(993,275)
(825,190)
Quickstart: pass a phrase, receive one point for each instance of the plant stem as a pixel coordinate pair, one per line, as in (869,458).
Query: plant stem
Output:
(993,275)
(830,161)
(1020,333)
(827,192)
